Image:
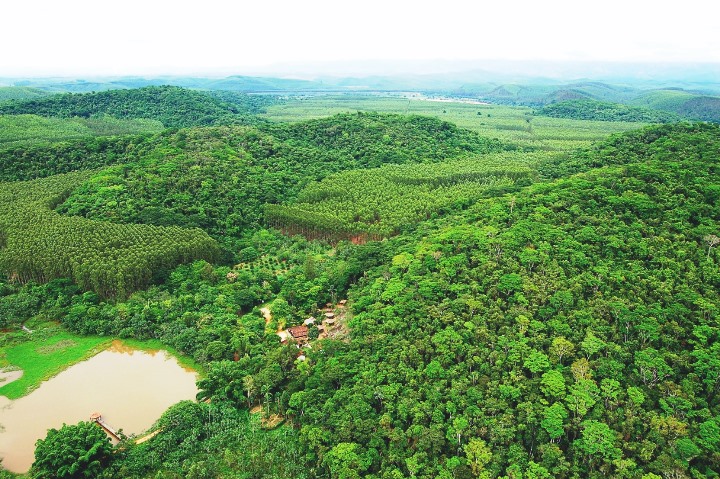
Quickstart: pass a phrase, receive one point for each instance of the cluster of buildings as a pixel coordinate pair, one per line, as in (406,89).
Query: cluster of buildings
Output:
(300,334)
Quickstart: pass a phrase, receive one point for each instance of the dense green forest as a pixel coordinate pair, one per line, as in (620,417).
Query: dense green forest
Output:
(26,161)
(38,244)
(512,311)
(220,178)
(605,111)
(686,104)
(28,130)
(173,106)
(564,332)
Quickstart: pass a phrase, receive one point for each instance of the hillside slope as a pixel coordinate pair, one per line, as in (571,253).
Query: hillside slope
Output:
(37,244)
(219,178)
(173,106)
(30,130)
(570,331)
(543,94)
(605,111)
(686,104)
(19,93)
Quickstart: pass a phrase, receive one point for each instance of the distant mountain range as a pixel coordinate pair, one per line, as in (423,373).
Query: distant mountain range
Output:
(692,90)
(440,75)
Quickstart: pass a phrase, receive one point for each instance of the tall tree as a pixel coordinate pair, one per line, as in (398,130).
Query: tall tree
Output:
(76,451)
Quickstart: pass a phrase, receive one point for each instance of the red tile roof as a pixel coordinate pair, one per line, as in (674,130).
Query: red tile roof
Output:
(298,331)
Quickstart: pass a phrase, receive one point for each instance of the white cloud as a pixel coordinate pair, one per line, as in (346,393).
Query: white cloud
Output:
(84,37)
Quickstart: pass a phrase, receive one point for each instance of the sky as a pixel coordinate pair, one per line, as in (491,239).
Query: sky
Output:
(212,37)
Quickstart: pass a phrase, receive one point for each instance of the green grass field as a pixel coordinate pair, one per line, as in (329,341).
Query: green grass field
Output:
(509,123)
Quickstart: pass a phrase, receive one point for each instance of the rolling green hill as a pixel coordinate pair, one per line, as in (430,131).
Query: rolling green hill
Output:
(554,335)
(173,106)
(544,94)
(371,139)
(20,93)
(565,330)
(603,111)
(706,108)
(686,104)
(219,178)
(663,99)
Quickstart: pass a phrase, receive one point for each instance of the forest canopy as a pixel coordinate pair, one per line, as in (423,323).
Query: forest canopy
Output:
(172,106)
(510,313)
(605,111)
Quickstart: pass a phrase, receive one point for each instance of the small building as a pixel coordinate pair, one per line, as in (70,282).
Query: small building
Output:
(329,315)
(342,303)
(299,333)
(309,321)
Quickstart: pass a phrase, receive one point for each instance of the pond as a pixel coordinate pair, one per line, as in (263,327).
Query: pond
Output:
(129,387)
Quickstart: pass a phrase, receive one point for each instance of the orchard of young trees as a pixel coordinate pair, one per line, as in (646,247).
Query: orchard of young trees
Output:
(379,202)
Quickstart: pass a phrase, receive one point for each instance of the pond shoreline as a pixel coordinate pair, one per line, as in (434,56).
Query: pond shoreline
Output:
(131,386)
(43,356)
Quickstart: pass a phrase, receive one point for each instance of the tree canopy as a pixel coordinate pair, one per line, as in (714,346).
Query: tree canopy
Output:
(534,315)
(171,105)
(586,109)
(75,451)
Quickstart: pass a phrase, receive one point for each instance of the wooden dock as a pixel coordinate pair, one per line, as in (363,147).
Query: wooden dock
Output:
(97,418)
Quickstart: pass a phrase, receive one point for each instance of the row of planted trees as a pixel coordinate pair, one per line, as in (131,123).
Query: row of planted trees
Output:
(379,202)
(111,259)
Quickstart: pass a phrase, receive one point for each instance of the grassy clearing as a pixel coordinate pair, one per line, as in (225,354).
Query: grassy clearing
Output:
(509,123)
(44,356)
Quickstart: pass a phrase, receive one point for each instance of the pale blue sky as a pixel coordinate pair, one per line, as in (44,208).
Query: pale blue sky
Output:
(84,37)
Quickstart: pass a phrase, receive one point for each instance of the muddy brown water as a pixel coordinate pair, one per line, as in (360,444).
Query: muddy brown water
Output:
(129,387)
